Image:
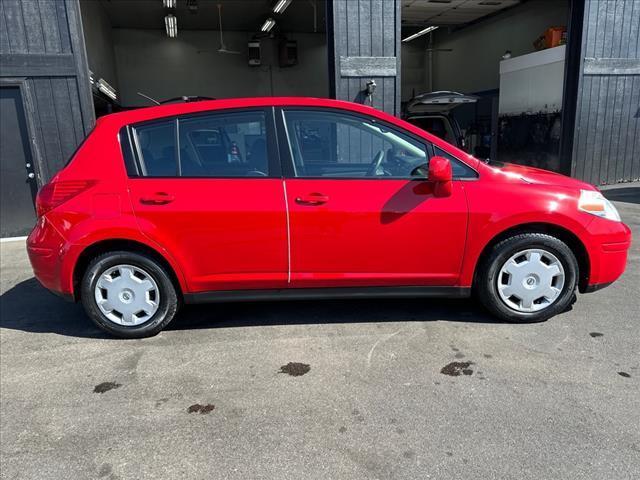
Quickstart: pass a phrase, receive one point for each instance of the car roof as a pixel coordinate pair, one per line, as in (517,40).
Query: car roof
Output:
(170,110)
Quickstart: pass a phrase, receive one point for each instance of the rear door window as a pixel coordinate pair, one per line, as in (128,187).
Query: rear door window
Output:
(224,145)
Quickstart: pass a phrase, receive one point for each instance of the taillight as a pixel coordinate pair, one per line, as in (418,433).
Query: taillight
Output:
(56,193)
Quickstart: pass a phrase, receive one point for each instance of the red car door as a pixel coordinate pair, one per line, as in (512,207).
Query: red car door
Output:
(357,215)
(209,192)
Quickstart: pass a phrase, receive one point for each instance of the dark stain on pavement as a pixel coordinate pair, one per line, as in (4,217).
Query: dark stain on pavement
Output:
(486,355)
(409,454)
(202,409)
(624,374)
(459,355)
(105,387)
(357,415)
(105,469)
(295,369)
(342,429)
(454,369)
(596,334)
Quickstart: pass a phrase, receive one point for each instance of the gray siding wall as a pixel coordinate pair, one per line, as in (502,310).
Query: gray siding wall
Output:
(369,31)
(607,135)
(42,51)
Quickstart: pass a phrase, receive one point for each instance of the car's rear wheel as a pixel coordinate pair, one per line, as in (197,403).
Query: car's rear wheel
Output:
(527,278)
(129,295)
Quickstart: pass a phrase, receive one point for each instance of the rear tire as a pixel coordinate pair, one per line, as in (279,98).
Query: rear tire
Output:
(129,295)
(542,283)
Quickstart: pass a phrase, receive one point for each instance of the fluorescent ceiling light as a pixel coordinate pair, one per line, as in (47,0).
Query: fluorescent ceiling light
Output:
(268,25)
(107,89)
(169,3)
(281,6)
(171,25)
(420,33)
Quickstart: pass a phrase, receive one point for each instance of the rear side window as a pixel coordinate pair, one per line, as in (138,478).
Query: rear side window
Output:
(156,143)
(228,144)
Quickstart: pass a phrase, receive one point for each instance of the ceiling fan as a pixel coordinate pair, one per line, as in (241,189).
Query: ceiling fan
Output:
(223,48)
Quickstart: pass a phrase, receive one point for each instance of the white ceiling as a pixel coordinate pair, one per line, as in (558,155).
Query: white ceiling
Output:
(421,13)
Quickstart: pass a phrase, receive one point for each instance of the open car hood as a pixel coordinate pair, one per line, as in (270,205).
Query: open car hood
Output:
(438,102)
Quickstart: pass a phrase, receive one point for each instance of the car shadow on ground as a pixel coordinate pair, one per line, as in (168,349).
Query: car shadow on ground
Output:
(623,194)
(30,308)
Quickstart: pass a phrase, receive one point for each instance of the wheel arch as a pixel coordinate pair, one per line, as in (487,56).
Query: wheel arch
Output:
(104,246)
(567,236)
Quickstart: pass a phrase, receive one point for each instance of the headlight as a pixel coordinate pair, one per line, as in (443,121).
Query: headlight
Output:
(593,202)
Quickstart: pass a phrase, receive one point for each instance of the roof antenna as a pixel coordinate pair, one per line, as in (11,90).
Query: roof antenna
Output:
(149,98)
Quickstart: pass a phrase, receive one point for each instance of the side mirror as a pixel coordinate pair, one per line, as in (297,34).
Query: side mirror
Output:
(441,175)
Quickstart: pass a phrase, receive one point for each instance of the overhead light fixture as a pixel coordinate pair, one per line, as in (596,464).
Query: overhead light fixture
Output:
(281,6)
(420,33)
(107,89)
(268,25)
(171,25)
(169,3)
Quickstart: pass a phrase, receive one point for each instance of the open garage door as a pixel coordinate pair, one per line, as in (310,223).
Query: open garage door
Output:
(509,55)
(215,49)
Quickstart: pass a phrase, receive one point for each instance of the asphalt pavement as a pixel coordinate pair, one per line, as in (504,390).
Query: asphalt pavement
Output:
(323,390)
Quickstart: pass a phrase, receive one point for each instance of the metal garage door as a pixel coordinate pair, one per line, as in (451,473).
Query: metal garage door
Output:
(17,190)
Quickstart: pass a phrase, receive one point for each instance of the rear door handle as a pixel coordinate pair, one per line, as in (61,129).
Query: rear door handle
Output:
(312,199)
(158,198)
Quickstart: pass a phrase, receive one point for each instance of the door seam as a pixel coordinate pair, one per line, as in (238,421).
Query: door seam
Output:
(286,206)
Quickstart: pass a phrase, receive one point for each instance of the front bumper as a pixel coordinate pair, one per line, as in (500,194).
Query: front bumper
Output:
(608,248)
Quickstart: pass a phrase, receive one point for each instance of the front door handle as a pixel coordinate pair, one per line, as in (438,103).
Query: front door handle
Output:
(158,198)
(312,199)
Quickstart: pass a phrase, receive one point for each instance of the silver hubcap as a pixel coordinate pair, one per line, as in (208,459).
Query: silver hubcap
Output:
(127,295)
(530,280)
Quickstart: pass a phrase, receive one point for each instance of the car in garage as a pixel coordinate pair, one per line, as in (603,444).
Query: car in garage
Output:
(433,112)
(290,198)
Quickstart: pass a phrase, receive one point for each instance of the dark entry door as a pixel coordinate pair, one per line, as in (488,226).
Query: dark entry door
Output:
(17,190)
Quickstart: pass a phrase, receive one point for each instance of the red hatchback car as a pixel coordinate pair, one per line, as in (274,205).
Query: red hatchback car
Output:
(283,198)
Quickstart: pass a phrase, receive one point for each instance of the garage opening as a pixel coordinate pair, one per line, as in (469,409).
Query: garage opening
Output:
(498,70)
(169,49)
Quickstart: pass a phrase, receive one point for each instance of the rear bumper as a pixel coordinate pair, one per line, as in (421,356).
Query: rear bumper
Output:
(608,249)
(45,247)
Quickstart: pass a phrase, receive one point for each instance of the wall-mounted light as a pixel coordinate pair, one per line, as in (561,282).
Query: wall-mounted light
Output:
(268,25)
(169,3)
(107,89)
(281,6)
(171,25)
(420,33)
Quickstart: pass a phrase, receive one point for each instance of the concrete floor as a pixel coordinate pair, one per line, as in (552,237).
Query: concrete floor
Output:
(554,400)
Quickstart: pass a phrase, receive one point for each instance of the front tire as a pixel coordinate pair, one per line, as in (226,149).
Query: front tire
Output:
(128,295)
(527,278)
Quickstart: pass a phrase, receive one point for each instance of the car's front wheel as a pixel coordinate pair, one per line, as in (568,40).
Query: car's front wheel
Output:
(129,295)
(527,278)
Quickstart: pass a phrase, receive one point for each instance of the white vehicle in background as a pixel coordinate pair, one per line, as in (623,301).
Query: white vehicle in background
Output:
(433,112)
